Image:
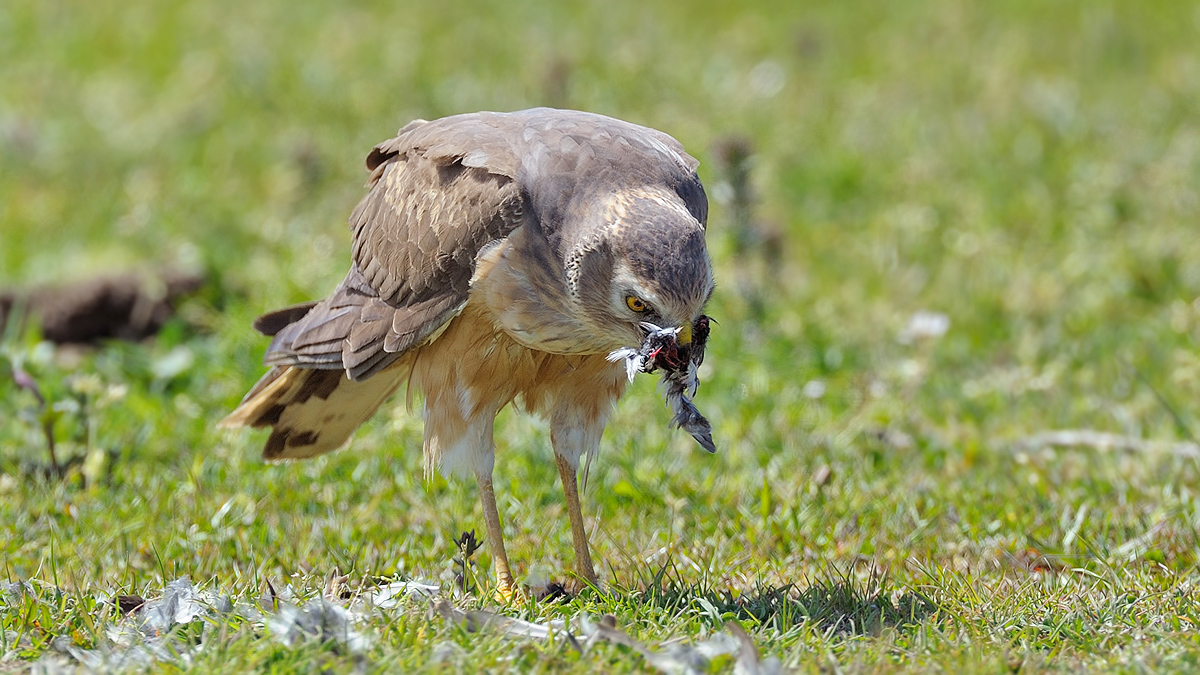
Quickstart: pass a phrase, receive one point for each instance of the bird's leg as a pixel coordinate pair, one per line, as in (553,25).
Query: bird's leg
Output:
(585,396)
(504,578)
(583,557)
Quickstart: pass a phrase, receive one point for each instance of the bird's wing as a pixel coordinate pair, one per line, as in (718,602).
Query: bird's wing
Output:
(439,193)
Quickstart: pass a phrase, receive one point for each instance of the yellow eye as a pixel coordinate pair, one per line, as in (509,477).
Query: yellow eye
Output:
(635,303)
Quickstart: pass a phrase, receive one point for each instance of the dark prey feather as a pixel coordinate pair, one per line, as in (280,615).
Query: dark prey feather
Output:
(679,382)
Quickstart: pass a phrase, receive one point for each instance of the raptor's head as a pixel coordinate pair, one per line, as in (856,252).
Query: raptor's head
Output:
(648,266)
(650,278)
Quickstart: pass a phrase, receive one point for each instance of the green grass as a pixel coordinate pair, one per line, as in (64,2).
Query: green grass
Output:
(1028,170)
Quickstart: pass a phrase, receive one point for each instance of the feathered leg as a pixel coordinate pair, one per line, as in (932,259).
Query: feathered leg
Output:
(460,445)
(578,414)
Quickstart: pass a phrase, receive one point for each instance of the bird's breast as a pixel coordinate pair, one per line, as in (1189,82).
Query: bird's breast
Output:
(527,298)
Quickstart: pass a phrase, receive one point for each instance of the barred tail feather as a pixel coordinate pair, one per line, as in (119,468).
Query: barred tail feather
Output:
(311,411)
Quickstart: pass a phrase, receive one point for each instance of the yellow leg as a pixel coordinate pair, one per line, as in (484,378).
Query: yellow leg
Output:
(504,578)
(583,557)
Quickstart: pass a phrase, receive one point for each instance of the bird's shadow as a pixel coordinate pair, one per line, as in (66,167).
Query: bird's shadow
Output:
(836,604)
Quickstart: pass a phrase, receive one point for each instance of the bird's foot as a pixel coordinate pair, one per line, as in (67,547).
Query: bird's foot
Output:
(508,594)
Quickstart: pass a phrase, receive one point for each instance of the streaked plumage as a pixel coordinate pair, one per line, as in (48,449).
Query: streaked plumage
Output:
(495,258)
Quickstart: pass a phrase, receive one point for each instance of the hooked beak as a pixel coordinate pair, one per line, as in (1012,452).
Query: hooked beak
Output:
(684,336)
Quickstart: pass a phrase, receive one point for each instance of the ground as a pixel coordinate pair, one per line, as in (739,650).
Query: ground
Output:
(942,231)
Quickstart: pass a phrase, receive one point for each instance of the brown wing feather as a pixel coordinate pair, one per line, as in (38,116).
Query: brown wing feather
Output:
(428,214)
(416,236)
(272,322)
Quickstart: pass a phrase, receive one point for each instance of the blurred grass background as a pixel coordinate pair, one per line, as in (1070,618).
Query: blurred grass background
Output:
(1020,174)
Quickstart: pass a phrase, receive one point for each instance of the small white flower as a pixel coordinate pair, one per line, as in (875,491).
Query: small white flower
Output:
(924,325)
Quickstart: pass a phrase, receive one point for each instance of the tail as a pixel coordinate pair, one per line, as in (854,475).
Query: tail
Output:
(312,411)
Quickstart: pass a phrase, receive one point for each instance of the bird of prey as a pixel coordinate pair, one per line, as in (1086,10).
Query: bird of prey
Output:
(541,257)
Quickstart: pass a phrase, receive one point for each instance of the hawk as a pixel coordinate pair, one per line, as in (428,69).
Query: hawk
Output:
(540,257)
